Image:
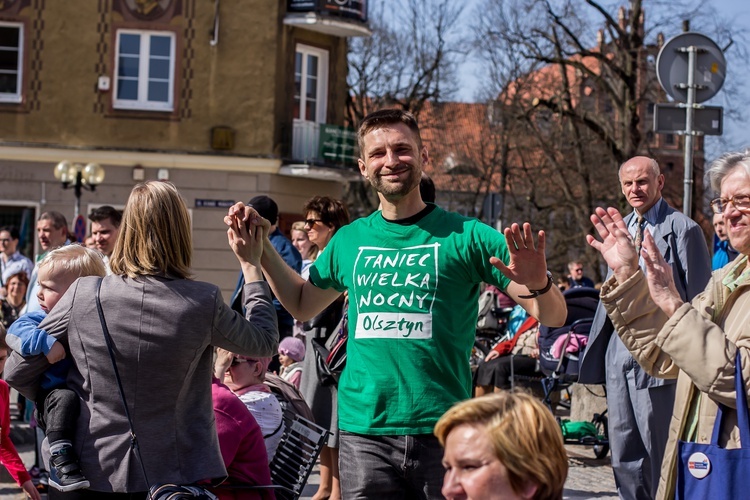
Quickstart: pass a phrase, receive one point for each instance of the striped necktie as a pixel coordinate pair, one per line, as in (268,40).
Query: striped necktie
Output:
(639,234)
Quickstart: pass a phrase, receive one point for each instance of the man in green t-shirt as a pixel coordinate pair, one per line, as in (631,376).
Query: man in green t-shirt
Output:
(413,272)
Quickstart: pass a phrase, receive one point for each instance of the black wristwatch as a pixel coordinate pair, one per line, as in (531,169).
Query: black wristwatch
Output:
(537,293)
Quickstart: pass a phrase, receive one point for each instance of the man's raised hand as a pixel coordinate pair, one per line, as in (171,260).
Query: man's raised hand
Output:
(528,264)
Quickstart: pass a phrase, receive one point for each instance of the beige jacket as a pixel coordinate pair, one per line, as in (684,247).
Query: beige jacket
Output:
(698,351)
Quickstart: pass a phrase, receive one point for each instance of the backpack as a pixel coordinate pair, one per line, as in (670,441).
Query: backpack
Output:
(487,320)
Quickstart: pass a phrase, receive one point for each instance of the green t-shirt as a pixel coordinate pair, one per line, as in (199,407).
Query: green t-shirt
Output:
(413,292)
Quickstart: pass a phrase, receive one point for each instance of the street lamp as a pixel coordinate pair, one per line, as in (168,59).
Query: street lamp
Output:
(78,177)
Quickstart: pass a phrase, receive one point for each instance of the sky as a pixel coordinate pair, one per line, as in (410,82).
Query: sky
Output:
(735,136)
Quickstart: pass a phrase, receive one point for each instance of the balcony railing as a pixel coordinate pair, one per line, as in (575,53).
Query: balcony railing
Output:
(331,17)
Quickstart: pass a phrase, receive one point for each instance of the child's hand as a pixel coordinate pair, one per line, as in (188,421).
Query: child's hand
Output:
(56,353)
(31,490)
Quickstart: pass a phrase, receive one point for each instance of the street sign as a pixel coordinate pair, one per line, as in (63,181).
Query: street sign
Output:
(673,67)
(671,118)
(200,203)
(691,68)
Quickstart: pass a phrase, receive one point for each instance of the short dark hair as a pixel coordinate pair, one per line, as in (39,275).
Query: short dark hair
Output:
(58,220)
(332,212)
(266,207)
(427,189)
(106,212)
(22,277)
(12,230)
(383,118)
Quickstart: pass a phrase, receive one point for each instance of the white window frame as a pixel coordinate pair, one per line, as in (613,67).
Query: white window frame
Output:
(322,94)
(143,60)
(18,96)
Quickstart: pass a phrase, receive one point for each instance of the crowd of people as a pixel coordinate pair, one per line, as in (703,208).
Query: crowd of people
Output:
(401,285)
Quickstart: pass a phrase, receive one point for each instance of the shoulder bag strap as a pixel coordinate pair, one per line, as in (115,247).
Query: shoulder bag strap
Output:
(108,340)
(743,419)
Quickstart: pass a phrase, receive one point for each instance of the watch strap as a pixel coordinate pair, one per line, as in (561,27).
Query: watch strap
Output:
(536,293)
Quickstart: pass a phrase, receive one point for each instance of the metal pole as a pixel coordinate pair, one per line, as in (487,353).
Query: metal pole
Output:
(77,191)
(687,199)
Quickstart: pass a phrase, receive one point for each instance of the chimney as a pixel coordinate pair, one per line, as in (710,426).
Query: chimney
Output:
(686,25)
(660,39)
(600,39)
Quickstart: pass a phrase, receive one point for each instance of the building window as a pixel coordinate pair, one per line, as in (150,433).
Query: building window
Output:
(650,108)
(669,139)
(310,83)
(11,61)
(145,70)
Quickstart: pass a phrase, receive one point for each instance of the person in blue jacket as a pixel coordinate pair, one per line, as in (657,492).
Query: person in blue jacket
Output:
(57,406)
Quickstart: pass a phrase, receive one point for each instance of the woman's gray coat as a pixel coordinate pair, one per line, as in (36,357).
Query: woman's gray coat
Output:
(163,332)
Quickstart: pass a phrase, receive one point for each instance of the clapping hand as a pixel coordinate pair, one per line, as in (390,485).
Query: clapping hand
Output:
(659,277)
(528,265)
(617,247)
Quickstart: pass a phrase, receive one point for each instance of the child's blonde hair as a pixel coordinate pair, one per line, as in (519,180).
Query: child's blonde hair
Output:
(75,259)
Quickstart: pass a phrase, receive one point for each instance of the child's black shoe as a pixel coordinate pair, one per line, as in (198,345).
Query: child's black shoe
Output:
(64,472)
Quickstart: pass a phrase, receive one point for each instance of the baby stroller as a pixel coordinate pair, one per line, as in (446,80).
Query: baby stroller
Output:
(559,350)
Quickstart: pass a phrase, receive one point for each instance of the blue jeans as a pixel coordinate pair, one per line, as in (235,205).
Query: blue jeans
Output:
(390,467)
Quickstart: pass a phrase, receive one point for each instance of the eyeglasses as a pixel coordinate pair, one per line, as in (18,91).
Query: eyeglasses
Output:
(4,240)
(311,222)
(740,202)
(579,270)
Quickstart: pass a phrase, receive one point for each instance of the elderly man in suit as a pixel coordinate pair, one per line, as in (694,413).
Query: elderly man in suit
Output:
(640,406)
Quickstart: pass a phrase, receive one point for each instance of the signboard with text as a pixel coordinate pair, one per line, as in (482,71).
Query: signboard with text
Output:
(338,145)
(200,203)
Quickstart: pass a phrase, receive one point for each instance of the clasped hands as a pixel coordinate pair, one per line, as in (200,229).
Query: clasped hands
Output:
(618,250)
(247,232)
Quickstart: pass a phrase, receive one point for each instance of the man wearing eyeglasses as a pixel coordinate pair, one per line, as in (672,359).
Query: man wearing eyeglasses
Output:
(11,260)
(638,404)
(576,278)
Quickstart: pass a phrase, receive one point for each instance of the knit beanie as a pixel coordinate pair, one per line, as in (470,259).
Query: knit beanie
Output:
(292,347)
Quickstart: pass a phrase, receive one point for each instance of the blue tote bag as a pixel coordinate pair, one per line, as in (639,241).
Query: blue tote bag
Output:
(708,471)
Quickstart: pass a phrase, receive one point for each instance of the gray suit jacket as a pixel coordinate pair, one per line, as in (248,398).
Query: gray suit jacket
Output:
(683,245)
(163,331)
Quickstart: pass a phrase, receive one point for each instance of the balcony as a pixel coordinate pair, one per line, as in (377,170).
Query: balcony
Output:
(329,17)
(323,151)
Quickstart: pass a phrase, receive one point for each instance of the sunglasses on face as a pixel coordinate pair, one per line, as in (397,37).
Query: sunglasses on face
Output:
(311,222)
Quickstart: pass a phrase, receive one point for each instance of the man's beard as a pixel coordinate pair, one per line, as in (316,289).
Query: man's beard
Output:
(398,189)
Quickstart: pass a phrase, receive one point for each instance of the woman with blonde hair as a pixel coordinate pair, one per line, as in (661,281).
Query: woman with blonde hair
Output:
(506,445)
(163,326)
(306,248)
